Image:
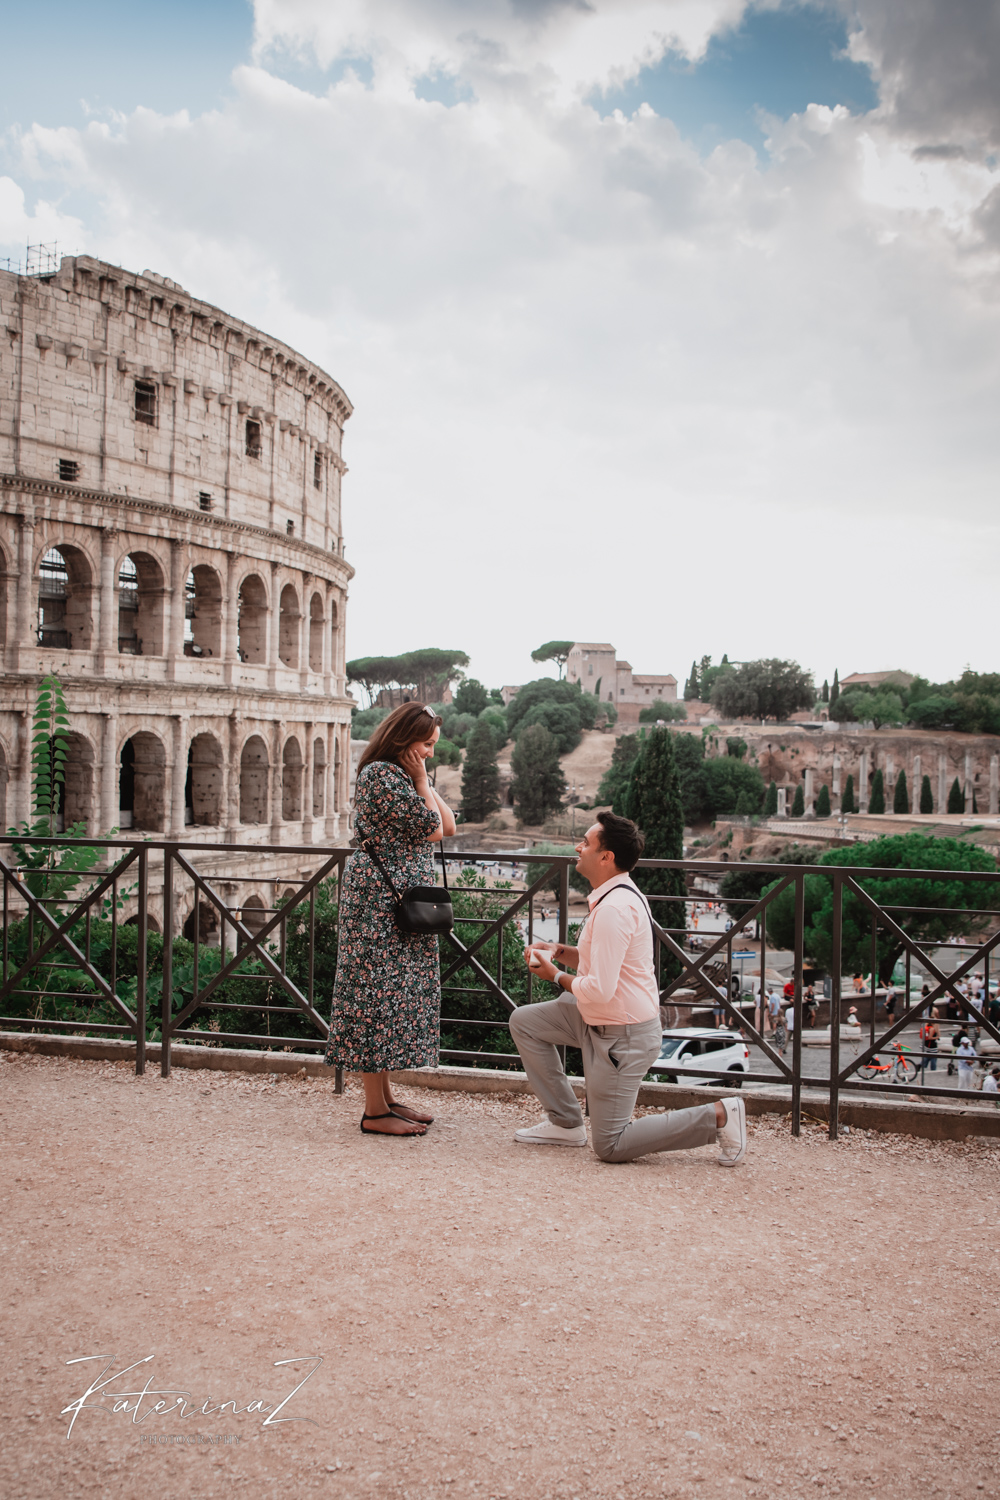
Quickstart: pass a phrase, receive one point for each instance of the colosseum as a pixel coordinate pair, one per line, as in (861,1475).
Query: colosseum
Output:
(172,549)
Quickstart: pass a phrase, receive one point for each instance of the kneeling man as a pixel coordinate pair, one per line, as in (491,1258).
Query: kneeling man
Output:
(611,1011)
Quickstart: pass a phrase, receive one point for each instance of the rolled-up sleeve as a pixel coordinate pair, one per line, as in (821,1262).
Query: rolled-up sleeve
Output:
(613,930)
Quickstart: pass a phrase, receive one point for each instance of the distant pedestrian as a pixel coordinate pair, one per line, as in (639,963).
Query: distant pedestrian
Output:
(773,1010)
(991,1085)
(812,1006)
(965,1054)
(889,1004)
(929,1036)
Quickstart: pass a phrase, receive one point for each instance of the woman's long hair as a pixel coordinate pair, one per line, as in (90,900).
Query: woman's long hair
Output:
(409,724)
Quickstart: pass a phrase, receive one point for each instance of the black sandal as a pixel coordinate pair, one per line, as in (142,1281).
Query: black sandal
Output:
(401,1134)
(396,1105)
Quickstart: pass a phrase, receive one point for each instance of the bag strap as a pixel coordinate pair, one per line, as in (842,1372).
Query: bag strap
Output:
(363,846)
(645,907)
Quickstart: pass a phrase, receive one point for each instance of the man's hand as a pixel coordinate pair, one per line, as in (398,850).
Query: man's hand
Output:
(538,963)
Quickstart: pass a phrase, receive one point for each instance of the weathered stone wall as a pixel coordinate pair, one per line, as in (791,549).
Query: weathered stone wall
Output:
(790,756)
(184,471)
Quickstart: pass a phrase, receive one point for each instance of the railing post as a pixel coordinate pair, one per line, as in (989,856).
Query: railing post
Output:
(563,922)
(140,960)
(800,922)
(166,999)
(835,978)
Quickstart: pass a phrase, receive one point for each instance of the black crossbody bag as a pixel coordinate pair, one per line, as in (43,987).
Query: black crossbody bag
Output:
(424,909)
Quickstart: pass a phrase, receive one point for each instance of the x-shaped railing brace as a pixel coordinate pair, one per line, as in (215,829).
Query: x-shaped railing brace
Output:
(944,984)
(252,943)
(59,933)
(467,955)
(721,996)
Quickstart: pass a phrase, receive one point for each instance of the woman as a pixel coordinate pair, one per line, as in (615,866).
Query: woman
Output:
(387,995)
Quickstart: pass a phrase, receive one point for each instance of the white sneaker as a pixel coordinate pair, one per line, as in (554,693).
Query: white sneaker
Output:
(732,1137)
(547,1134)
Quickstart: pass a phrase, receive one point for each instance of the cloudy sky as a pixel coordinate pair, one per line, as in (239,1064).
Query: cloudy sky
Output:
(674,323)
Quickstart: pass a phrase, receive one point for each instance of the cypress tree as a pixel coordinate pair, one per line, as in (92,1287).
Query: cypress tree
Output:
(835,690)
(900,797)
(956,799)
(480,776)
(653,800)
(538,783)
(847,803)
(876,802)
(823,802)
(771,800)
(691,686)
(798,802)
(926,796)
(825,695)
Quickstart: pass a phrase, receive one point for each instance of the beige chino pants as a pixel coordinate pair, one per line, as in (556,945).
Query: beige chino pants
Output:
(615,1061)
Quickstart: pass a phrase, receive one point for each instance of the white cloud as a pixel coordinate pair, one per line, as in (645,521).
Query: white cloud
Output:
(603,385)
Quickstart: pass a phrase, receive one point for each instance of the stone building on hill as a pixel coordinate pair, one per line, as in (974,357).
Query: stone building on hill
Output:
(171,547)
(596,667)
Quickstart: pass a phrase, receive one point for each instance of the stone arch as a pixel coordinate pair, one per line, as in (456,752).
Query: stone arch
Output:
(141,783)
(208,923)
(251,618)
(4,778)
(288,626)
(291,781)
(334,626)
(319,778)
(141,598)
(65,598)
(255,914)
(254,772)
(316,633)
(152,924)
(203,788)
(202,612)
(76,795)
(336,773)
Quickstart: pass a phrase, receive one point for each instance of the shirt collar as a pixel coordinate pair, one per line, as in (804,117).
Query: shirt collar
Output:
(602,890)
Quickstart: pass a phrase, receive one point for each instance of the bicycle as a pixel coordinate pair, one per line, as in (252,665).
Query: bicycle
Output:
(901,1069)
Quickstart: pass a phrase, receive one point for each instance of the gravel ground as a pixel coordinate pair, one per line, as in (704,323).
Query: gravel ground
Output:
(492,1320)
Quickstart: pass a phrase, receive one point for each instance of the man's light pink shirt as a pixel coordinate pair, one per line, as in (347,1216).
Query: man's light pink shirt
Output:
(614,984)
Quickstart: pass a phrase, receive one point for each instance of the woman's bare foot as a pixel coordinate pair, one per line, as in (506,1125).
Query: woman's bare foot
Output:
(390,1124)
(407,1112)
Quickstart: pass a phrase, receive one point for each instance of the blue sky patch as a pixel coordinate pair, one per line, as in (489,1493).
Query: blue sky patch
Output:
(777,61)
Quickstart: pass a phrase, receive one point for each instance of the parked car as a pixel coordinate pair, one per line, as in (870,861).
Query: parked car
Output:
(721,1053)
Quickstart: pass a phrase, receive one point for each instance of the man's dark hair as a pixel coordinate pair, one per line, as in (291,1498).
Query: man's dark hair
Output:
(623,838)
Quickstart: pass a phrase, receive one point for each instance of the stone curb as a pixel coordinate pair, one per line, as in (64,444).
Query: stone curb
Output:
(935,1122)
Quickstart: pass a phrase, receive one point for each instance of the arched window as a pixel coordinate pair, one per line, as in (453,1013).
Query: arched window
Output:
(203,788)
(140,606)
(141,773)
(288,627)
(319,778)
(202,612)
(316,633)
(65,587)
(252,620)
(253,781)
(291,781)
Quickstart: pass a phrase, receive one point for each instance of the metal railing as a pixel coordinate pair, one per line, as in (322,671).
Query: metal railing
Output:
(70,964)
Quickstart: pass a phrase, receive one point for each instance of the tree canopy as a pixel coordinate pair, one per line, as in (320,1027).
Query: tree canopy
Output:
(557,651)
(538,784)
(583,710)
(480,777)
(765,689)
(670,713)
(425,672)
(653,801)
(862,705)
(899,857)
(471,697)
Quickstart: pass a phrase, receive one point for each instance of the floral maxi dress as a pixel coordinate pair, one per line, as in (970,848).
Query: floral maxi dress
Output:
(387,994)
